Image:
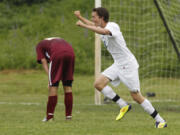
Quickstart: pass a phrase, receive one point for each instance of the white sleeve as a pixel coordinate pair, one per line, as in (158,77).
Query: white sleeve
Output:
(113,28)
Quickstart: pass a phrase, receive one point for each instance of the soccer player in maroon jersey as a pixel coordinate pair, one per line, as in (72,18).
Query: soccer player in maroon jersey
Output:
(61,58)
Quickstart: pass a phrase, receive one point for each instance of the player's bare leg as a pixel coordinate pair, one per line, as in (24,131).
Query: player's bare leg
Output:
(101,82)
(101,85)
(68,101)
(53,91)
(137,96)
(51,104)
(147,106)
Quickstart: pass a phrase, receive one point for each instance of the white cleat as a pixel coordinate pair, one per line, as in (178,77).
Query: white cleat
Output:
(47,120)
(68,117)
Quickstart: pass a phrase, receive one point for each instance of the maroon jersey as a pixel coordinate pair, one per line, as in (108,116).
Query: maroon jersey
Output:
(61,56)
(51,48)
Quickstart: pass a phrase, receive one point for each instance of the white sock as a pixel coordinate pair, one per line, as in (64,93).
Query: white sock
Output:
(108,92)
(147,106)
(158,118)
(121,103)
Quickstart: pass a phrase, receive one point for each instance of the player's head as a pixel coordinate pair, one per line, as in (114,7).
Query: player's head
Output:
(100,14)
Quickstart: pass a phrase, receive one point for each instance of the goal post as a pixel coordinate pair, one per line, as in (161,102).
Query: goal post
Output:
(168,29)
(97,96)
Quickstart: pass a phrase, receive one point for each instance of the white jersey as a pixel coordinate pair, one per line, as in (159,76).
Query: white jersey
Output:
(116,45)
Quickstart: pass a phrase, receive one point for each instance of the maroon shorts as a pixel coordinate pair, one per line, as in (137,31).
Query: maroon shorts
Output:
(61,68)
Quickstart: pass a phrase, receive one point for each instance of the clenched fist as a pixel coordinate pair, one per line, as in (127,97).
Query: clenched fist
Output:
(77,13)
(79,23)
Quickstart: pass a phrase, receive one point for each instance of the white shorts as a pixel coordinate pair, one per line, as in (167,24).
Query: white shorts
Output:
(127,74)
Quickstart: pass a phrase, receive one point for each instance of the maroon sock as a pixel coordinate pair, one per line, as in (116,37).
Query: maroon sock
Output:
(51,104)
(68,101)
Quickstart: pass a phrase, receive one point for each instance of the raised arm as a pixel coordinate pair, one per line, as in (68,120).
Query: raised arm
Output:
(94,28)
(86,21)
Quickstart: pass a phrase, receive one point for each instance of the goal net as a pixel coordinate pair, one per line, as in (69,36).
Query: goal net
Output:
(147,37)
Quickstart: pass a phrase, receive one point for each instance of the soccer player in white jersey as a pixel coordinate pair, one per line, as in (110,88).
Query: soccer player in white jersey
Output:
(125,67)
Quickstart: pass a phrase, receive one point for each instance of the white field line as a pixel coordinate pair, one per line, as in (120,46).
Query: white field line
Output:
(62,104)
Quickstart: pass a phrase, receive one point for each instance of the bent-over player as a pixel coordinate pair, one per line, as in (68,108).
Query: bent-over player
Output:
(61,58)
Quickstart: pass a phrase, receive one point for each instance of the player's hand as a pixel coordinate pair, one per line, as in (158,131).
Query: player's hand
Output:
(79,23)
(77,13)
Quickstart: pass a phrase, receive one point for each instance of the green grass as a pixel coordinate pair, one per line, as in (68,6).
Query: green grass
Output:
(17,88)
(53,18)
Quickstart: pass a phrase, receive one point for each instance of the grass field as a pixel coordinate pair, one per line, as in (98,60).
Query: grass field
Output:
(23,96)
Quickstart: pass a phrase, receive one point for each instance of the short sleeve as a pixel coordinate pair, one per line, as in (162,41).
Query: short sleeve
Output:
(40,53)
(113,28)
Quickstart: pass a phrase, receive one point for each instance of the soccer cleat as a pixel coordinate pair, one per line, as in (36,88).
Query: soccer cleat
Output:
(47,120)
(123,111)
(161,125)
(68,117)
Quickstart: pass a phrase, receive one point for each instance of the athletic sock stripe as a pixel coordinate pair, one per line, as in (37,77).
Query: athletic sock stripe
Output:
(50,65)
(116,98)
(154,114)
(50,114)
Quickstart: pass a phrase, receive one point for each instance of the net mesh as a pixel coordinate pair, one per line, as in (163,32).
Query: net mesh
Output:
(148,39)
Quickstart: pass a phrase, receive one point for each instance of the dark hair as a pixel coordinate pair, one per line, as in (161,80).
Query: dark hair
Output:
(102,12)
